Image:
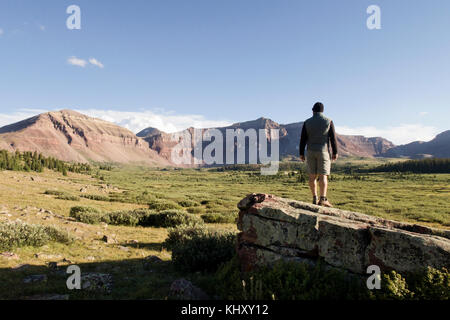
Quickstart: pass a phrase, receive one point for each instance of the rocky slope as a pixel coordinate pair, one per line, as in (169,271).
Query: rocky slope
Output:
(71,136)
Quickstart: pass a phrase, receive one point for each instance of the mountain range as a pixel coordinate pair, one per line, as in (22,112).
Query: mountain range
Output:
(72,136)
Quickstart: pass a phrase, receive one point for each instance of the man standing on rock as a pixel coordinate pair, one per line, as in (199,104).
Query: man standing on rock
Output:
(317,133)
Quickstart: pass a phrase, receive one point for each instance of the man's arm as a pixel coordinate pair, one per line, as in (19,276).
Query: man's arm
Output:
(303,140)
(332,135)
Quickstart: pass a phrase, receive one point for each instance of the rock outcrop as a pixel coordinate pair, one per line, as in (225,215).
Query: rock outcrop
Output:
(274,228)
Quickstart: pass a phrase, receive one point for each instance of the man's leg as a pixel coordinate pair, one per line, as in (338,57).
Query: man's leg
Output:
(313,184)
(324,171)
(323,183)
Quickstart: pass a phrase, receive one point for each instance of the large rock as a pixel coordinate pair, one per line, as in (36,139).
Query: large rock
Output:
(274,228)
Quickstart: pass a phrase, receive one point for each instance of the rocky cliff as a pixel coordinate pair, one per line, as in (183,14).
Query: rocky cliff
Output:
(274,228)
(289,138)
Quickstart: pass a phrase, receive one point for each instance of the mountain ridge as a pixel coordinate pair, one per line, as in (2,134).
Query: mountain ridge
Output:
(72,136)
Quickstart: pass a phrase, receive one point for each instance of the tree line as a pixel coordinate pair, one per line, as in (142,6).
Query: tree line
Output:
(434,165)
(34,161)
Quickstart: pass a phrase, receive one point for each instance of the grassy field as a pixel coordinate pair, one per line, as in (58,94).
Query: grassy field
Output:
(31,197)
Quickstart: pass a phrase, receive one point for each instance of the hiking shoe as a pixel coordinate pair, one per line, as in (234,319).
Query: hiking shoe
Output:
(324,202)
(314,200)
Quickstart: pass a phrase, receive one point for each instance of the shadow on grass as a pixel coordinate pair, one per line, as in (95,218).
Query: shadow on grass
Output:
(130,279)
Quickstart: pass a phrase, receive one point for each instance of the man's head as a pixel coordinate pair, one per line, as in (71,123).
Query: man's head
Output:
(318,107)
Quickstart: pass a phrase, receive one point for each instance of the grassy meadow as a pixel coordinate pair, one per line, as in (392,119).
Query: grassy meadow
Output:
(46,199)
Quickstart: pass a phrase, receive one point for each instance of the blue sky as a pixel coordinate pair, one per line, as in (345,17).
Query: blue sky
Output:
(176,63)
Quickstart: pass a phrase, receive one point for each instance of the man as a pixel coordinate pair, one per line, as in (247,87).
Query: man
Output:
(317,133)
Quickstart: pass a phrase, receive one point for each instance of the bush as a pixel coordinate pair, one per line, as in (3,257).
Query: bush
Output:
(428,284)
(288,281)
(88,215)
(68,197)
(300,281)
(202,250)
(54,192)
(19,234)
(196,210)
(172,218)
(160,205)
(130,218)
(219,218)
(188,203)
(96,197)
(183,233)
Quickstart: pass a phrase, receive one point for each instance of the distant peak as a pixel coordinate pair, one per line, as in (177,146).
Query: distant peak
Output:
(148,132)
(258,123)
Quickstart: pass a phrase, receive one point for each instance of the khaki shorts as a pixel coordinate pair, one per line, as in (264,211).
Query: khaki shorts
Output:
(318,162)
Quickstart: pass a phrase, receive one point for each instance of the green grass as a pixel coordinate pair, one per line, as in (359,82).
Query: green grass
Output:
(407,197)
(209,195)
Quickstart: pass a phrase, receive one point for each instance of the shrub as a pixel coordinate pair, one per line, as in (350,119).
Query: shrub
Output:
(188,203)
(295,280)
(54,192)
(123,218)
(428,284)
(171,218)
(288,280)
(19,234)
(203,251)
(195,210)
(88,215)
(96,197)
(68,197)
(160,205)
(219,218)
(431,284)
(183,233)
(129,218)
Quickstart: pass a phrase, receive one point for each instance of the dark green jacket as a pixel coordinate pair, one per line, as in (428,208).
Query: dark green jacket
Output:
(318,133)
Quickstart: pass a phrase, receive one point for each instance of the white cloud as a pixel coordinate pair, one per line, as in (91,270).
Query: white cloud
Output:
(401,134)
(164,121)
(1,32)
(77,61)
(424,113)
(95,62)
(41,27)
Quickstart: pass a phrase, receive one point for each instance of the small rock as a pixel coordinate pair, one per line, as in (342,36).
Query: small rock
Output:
(97,282)
(182,289)
(150,261)
(9,255)
(109,239)
(124,248)
(53,265)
